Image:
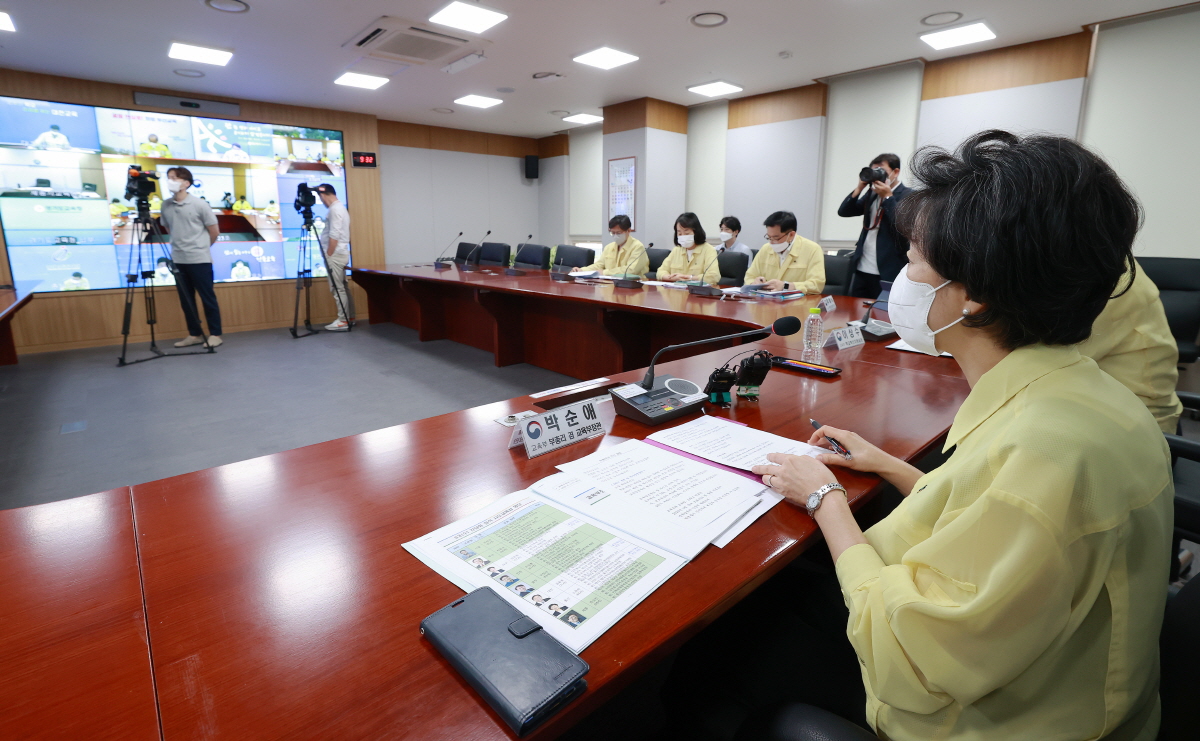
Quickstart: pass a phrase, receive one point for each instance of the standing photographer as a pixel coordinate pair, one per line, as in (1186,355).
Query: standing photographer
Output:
(193,230)
(335,241)
(881,251)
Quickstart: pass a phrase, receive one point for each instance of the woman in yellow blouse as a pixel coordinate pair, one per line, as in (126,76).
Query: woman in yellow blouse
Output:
(692,258)
(787,261)
(1018,590)
(624,255)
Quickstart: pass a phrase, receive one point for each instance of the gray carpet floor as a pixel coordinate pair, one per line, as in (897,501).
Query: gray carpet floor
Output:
(74,423)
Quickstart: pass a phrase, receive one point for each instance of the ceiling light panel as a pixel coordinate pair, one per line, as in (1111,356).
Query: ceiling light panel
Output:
(951,37)
(605,58)
(584,118)
(467,17)
(478,101)
(201,54)
(713,89)
(355,79)
(6,22)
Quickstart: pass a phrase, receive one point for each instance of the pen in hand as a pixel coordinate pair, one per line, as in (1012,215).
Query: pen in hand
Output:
(837,447)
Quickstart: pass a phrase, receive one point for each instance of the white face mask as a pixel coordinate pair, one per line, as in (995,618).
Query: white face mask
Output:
(908,307)
(175,186)
(686,241)
(781,248)
(726,236)
(619,239)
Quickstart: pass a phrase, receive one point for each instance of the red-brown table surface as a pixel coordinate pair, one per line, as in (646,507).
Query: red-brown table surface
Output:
(73,651)
(282,605)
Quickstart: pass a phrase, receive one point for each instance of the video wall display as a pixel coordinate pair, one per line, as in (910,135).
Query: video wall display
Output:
(69,227)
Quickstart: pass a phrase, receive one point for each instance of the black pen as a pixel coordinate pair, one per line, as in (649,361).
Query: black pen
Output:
(837,447)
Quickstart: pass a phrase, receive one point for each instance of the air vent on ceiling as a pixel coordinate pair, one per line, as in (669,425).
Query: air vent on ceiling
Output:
(402,40)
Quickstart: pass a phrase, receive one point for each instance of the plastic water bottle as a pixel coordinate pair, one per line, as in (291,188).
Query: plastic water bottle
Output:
(813,329)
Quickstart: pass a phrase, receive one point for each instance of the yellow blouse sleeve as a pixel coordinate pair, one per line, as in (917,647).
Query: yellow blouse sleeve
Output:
(965,612)
(606,255)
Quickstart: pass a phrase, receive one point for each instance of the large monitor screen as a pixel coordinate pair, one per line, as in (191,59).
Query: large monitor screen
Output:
(69,227)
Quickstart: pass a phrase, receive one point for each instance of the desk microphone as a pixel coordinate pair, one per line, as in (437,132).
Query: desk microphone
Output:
(467,266)
(700,289)
(667,397)
(517,258)
(560,276)
(438,263)
(625,281)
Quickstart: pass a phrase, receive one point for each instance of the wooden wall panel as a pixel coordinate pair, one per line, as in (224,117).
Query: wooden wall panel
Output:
(420,136)
(558,145)
(643,113)
(783,105)
(1050,60)
(91,318)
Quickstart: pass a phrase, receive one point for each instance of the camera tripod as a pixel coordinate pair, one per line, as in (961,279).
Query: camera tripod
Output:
(309,241)
(145,234)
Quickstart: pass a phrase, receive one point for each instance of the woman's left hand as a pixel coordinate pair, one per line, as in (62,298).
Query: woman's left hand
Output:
(795,476)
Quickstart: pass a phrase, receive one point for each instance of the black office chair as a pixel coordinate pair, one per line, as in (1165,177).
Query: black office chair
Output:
(656,260)
(568,255)
(733,266)
(466,251)
(837,275)
(1187,486)
(845,253)
(532,257)
(1178,281)
(494,253)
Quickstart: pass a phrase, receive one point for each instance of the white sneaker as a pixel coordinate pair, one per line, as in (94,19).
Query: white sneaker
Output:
(189,341)
(215,341)
(338,326)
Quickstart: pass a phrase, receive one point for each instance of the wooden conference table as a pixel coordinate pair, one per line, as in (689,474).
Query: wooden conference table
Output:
(279,603)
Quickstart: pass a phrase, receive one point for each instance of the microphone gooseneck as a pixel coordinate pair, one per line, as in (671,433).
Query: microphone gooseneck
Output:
(443,252)
(783,326)
(467,259)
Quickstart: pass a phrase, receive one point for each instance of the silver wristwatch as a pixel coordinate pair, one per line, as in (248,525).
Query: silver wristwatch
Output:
(814,499)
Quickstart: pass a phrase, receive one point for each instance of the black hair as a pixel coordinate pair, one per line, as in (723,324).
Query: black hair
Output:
(732,222)
(241,198)
(116,200)
(785,220)
(1037,228)
(160,260)
(181,173)
(689,220)
(892,160)
(620,221)
(327,188)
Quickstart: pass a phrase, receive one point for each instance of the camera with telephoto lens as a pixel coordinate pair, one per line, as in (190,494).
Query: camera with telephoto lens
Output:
(139,184)
(305,197)
(872,175)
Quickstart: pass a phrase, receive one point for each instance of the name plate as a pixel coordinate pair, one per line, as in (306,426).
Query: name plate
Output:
(827,304)
(558,428)
(845,337)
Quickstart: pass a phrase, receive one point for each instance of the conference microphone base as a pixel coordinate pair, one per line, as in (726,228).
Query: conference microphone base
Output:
(705,291)
(467,267)
(562,277)
(669,398)
(439,265)
(627,283)
(513,271)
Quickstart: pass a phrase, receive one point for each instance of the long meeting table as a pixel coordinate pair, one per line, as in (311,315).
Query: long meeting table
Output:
(278,602)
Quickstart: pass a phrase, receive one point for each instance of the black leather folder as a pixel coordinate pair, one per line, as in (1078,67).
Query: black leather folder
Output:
(522,671)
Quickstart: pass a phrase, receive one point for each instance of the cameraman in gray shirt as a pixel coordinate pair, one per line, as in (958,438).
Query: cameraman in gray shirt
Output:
(335,243)
(193,230)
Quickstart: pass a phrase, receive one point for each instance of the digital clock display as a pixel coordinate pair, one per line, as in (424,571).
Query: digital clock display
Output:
(364,159)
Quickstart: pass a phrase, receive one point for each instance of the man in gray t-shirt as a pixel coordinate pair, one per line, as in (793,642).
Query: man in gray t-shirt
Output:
(193,230)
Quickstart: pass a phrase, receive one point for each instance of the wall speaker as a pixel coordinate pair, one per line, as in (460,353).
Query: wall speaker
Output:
(531,167)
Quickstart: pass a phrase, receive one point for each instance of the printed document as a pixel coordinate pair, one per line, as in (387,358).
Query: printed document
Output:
(572,574)
(733,445)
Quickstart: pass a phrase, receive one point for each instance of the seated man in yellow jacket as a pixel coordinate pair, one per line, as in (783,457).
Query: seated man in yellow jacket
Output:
(625,255)
(241,204)
(1132,342)
(787,261)
(692,259)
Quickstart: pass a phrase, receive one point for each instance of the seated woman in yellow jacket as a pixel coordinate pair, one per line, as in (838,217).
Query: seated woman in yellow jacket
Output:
(787,261)
(1018,590)
(692,258)
(624,255)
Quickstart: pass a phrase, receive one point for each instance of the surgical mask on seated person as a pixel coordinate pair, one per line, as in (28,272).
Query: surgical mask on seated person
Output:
(619,239)
(686,241)
(908,309)
(781,248)
(726,236)
(176,185)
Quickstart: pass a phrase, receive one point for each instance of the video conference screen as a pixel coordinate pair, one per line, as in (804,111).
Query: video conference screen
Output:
(68,226)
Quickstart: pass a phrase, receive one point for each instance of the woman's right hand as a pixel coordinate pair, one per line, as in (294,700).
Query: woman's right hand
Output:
(864,456)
